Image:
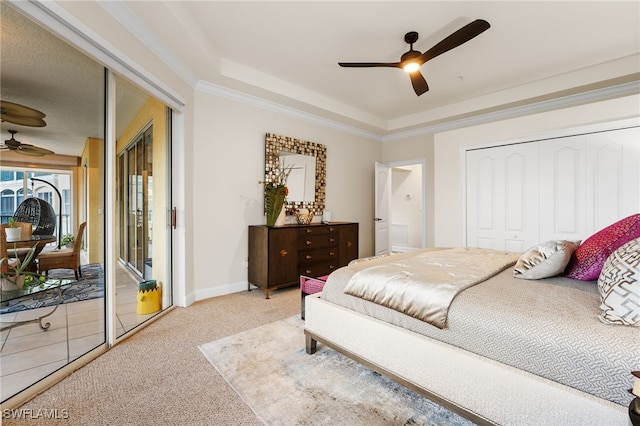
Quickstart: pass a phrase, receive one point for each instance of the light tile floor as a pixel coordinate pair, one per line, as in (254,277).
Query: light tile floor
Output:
(28,354)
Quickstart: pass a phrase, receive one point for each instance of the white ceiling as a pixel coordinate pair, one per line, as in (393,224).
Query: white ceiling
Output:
(287,52)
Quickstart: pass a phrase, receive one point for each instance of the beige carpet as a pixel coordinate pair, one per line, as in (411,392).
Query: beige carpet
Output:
(159,376)
(271,371)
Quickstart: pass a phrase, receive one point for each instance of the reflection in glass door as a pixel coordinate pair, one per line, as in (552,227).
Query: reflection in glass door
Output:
(138,203)
(143,201)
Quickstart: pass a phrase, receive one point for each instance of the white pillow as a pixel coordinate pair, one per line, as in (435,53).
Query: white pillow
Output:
(619,285)
(545,260)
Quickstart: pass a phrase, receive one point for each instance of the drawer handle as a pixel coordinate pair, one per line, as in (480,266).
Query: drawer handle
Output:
(332,267)
(331,253)
(308,256)
(283,253)
(308,242)
(331,240)
(309,231)
(331,229)
(308,272)
(349,243)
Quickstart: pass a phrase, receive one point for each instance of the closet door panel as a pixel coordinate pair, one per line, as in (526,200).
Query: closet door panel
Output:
(502,199)
(562,188)
(521,198)
(483,208)
(613,160)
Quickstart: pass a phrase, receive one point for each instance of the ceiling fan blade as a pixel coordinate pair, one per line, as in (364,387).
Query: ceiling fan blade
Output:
(459,37)
(27,149)
(22,120)
(7,107)
(369,64)
(418,82)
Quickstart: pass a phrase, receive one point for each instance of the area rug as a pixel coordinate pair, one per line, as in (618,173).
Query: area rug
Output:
(270,370)
(89,286)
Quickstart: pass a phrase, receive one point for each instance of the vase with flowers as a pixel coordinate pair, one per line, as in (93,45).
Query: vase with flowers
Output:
(275,194)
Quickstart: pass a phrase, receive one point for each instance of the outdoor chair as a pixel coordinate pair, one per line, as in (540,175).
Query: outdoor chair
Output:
(39,213)
(63,258)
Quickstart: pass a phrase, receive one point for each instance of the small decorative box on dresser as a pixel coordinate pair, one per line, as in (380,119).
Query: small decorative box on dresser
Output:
(279,255)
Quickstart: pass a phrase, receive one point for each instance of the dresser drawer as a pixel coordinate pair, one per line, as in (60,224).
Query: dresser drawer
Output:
(318,269)
(317,241)
(308,231)
(318,255)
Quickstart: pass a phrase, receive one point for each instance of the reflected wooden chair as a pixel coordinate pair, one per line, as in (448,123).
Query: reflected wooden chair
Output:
(63,258)
(4,256)
(7,254)
(26,230)
(25,234)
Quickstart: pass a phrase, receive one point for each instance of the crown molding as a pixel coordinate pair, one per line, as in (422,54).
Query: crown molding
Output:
(235,95)
(615,91)
(611,92)
(140,31)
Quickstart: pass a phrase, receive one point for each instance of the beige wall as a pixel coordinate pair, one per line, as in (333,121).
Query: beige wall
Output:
(227,164)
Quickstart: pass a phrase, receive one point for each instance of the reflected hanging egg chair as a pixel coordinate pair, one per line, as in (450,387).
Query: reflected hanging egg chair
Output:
(39,213)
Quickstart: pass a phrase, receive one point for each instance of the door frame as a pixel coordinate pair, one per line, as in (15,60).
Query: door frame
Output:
(410,162)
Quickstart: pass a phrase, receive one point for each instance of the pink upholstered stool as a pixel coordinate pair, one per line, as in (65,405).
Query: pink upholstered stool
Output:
(309,286)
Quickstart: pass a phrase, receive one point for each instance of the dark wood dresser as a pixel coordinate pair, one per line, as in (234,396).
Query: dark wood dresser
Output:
(279,255)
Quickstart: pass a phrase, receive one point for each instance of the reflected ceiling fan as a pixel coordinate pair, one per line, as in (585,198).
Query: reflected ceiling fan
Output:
(412,60)
(23,148)
(20,114)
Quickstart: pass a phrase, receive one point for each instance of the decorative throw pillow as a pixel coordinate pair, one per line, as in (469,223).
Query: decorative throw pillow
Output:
(619,285)
(589,258)
(545,260)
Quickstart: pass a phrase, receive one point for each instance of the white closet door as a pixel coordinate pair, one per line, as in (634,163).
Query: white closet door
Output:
(502,197)
(563,187)
(588,182)
(613,164)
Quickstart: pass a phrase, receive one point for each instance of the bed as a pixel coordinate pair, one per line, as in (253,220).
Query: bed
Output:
(512,351)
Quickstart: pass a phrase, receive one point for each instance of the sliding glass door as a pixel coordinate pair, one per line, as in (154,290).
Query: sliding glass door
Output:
(111,169)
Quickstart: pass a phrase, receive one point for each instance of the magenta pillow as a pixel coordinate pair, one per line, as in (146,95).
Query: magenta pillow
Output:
(588,259)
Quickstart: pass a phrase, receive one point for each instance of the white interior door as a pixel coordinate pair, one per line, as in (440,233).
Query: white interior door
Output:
(382,209)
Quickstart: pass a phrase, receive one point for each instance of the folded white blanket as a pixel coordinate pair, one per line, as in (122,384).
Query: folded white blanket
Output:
(424,285)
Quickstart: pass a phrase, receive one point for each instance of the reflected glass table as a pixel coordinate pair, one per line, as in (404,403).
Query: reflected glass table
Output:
(55,286)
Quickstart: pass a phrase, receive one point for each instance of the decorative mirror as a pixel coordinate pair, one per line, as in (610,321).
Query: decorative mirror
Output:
(307,176)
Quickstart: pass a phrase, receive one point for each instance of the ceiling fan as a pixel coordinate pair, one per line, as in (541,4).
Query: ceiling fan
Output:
(23,148)
(20,114)
(412,60)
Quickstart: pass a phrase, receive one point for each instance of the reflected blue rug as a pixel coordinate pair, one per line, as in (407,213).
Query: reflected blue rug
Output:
(89,286)
(269,369)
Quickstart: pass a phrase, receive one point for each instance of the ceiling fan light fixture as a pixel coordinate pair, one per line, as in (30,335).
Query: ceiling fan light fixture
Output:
(412,60)
(411,67)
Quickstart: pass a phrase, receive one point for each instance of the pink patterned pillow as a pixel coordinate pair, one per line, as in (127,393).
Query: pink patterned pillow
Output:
(588,259)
